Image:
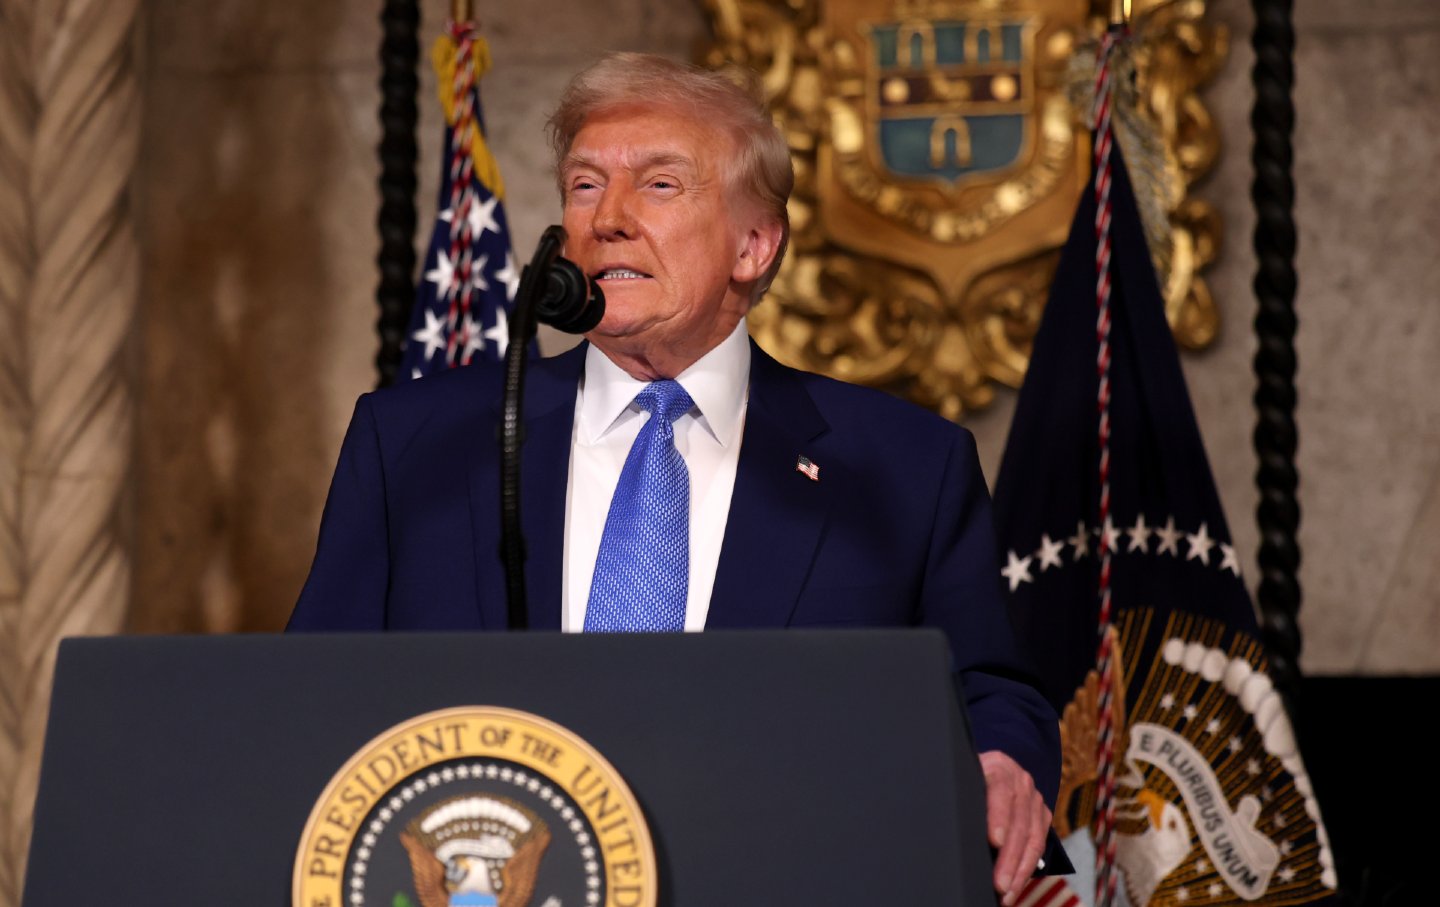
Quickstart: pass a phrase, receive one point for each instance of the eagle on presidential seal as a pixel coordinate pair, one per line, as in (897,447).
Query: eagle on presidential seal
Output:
(475,851)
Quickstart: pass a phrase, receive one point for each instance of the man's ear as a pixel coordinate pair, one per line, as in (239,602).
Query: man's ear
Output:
(757,250)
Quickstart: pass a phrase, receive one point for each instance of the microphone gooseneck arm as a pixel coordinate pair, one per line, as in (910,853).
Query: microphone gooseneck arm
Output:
(558,293)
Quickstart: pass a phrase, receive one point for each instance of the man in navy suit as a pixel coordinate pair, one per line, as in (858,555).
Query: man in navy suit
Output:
(810,502)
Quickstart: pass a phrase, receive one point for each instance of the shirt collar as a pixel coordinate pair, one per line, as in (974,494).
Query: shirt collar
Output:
(718,383)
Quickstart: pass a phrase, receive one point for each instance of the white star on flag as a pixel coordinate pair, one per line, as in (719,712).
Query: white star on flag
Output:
(1213,727)
(442,275)
(1049,552)
(1235,745)
(1112,535)
(509,276)
(1200,545)
(432,335)
(482,217)
(477,273)
(1081,541)
(1139,535)
(474,340)
(1169,538)
(1017,571)
(1228,560)
(500,333)
(1286,875)
(1190,712)
(1167,701)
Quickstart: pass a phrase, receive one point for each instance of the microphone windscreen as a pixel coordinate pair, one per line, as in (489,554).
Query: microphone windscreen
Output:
(572,302)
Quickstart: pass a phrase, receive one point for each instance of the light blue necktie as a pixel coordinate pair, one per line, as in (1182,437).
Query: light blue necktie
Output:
(642,573)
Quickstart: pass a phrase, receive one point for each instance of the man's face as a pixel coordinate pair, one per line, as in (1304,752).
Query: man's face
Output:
(649,214)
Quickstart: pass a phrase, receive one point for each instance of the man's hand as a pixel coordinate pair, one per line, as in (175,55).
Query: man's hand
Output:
(1017,821)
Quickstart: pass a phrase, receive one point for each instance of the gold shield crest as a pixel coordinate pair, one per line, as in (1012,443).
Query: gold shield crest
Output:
(943,134)
(939,156)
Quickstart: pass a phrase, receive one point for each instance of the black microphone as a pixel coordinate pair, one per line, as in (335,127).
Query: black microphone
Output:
(572,302)
(557,292)
(566,300)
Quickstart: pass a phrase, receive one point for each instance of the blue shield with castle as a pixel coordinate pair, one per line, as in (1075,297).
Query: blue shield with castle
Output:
(950,98)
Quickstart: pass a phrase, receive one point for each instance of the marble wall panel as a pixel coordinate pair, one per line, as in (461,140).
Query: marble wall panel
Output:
(1221,378)
(1373,15)
(1401,638)
(1369,216)
(255,339)
(243,36)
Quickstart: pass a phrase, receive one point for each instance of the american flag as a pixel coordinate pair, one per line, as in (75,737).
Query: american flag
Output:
(808,468)
(470,277)
(1048,891)
(1212,801)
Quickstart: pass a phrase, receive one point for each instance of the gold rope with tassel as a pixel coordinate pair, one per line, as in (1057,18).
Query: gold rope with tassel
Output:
(442,56)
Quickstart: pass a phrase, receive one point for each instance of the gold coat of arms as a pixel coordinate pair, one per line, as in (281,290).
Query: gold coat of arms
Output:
(939,151)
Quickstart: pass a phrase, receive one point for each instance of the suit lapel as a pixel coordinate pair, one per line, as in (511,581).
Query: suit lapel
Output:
(549,413)
(776,514)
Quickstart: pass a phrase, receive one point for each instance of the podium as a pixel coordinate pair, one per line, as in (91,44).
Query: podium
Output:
(771,767)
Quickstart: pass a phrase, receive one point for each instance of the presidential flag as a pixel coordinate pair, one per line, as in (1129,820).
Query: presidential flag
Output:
(1182,782)
(469,277)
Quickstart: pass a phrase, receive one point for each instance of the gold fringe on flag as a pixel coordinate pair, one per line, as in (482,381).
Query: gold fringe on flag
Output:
(442,56)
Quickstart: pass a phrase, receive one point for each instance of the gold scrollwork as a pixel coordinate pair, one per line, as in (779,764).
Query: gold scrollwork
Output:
(1181,52)
(867,316)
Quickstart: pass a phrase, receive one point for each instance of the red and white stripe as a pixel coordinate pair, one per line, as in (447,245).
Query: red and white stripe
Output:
(1049,891)
(462,194)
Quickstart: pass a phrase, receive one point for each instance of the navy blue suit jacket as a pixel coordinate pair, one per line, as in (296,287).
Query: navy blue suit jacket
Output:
(896,532)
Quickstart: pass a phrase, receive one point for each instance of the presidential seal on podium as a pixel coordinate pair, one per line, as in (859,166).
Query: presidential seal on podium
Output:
(476,807)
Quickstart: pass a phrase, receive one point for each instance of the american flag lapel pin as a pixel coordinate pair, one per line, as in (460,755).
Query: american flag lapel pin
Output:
(807,468)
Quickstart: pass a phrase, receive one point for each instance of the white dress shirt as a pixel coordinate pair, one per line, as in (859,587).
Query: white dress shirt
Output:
(708,437)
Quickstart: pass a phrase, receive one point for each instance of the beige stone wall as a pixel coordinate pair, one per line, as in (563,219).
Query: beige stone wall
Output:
(1367,138)
(69,275)
(257,174)
(1370,262)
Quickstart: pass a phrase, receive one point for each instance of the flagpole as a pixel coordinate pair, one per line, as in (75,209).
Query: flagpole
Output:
(461,10)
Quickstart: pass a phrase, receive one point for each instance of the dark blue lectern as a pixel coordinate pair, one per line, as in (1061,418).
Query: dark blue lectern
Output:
(789,767)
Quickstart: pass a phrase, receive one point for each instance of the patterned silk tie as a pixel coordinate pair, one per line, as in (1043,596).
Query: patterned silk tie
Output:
(642,573)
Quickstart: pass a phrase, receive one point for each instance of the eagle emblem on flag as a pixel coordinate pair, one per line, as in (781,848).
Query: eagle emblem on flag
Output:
(1213,802)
